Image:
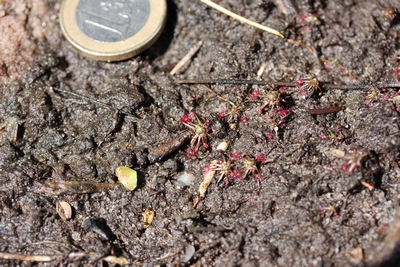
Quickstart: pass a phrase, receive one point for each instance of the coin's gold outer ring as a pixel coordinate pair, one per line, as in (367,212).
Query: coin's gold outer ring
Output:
(113,51)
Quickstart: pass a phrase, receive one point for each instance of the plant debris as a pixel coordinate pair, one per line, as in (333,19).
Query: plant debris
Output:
(74,188)
(289,189)
(64,210)
(127,177)
(241,19)
(148,216)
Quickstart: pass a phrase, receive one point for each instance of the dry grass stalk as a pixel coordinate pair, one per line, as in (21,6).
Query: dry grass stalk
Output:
(20,257)
(187,57)
(241,19)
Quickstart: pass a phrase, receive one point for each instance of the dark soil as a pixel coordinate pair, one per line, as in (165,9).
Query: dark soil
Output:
(310,208)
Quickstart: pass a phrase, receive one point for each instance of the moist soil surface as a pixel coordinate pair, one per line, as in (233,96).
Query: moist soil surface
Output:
(310,176)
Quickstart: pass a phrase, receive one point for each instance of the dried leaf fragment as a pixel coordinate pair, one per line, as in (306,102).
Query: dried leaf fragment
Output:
(356,255)
(148,216)
(64,210)
(127,177)
(207,178)
(187,57)
(336,153)
(116,260)
(168,147)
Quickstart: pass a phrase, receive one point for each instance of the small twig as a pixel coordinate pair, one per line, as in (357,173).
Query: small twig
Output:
(289,84)
(300,43)
(240,18)
(223,81)
(323,111)
(168,147)
(71,256)
(360,86)
(336,62)
(367,185)
(20,257)
(187,57)
(94,101)
(220,97)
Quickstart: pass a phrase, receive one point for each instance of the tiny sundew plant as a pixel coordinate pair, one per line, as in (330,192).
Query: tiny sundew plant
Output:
(200,130)
(306,87)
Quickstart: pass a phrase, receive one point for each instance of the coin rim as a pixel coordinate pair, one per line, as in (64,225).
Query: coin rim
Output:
(113,51)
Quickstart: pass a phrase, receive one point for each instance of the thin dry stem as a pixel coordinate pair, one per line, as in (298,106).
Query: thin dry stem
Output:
(220,97)
(71,256)
(20,257)
(270,84)
(187,57)
(241,19)
(300,43)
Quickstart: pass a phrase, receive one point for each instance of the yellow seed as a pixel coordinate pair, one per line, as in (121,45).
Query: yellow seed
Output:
(127,177)
(148,216)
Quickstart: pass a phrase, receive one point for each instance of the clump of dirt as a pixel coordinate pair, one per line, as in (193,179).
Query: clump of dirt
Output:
(310,173)
(24,27)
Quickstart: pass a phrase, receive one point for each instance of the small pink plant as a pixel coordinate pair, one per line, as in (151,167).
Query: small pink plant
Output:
(249,166)
(396,73)
(230,114)
(374,95)
(236,155)
(368,103)
(322,136)
(272,99)
(261,158)
(284,112)
(244,119)
(395,98)
(224,167)
(237,174)
(200,131)
(221,115)
(307,86)
(354,160)
(255,94)
(191,153)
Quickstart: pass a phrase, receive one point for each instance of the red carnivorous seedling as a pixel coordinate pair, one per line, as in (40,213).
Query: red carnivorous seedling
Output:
(224,167)
(200,131)
(332,210)
(249,166)
(272,99)
(396,73)
(274,126)
(374,95)
(395,98)
(307,86)
(230,114)
(355,160)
